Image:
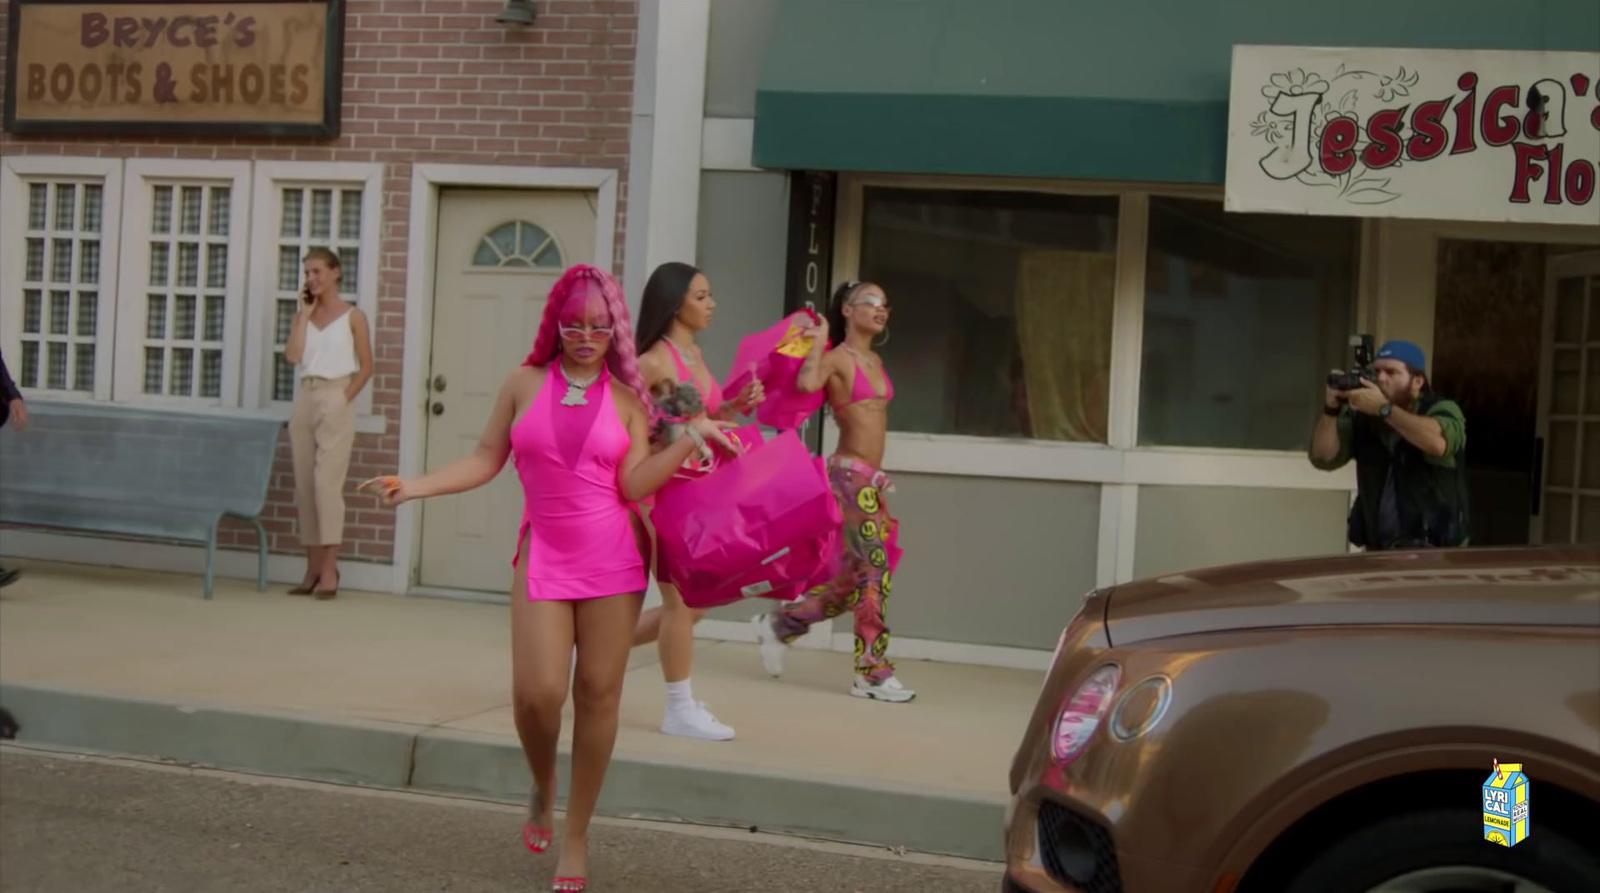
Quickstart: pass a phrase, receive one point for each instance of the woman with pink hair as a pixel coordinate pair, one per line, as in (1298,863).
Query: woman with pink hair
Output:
(575,418)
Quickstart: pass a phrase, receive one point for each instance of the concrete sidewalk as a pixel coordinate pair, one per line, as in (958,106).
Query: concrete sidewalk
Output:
(407,692)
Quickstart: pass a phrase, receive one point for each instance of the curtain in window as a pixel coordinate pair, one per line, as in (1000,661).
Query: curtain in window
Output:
(1064,303)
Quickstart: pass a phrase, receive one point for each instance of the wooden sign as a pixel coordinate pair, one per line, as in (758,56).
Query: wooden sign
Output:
(250,67)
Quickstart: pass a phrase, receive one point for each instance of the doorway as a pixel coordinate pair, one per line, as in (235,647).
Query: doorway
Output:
(1517,345)
(1568,506)
(498,252)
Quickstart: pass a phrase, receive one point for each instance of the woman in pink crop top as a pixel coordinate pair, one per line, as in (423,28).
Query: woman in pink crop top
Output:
(859,391)
(677,304)
(574,419)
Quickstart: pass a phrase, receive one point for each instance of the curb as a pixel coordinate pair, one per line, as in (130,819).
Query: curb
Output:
(398,755)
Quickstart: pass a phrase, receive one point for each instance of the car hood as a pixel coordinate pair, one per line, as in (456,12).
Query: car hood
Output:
(1543,586)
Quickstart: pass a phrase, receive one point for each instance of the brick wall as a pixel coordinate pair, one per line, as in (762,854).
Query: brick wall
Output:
(430,81)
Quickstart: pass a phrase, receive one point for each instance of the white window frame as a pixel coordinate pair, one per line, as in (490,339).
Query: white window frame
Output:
(119,336)
(1122,460)
(15,175)
(134,275)
(271,177)
(1120,466)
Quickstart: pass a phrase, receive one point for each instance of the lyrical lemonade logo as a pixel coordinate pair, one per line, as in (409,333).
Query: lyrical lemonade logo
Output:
(1349,131)
(1505,805)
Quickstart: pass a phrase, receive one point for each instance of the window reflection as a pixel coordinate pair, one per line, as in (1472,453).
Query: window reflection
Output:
(1002,309)
(1244,315)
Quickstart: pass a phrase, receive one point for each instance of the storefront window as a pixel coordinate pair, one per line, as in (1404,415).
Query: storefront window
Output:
(187,294)
(1002,309)
(1244,315)
(61,286)
(188,310)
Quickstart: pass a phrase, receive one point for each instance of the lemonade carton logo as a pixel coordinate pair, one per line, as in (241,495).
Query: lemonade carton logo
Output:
(1505,805)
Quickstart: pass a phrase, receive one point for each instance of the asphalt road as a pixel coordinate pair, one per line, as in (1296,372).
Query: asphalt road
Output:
(72,824)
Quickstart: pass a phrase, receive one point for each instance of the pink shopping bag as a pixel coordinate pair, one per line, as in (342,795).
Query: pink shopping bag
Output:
(822,556)
(774,356)
(768,580)
(749,521)
(697,466)
(892,544)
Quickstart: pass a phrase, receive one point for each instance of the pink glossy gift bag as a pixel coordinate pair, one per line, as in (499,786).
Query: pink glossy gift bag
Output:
(749,527)
(698,466)
(774,356)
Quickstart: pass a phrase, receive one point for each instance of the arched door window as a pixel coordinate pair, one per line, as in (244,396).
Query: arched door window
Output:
(518,244)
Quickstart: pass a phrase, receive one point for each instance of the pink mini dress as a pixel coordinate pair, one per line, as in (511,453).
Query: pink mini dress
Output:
(582,542)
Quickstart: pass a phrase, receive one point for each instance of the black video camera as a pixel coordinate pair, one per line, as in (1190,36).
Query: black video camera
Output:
(1350,381)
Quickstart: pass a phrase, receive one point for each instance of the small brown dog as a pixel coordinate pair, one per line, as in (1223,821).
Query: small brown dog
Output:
(677,403)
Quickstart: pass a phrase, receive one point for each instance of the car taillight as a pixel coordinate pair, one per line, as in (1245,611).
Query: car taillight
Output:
(1081,715)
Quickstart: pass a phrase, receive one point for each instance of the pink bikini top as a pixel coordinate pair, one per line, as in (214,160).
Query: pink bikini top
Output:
(713,399)
(862,388)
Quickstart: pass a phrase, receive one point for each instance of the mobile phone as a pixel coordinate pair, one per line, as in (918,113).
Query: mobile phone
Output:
(305,294)
(383,484)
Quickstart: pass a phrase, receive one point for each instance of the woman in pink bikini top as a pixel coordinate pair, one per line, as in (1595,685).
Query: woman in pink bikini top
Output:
(677,305)
(574,418)
(843,361)
(859,391)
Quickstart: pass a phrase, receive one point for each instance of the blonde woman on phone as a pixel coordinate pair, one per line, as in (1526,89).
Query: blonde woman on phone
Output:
(331,349)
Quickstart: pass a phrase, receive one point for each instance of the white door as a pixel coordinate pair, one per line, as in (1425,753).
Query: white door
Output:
(1568,507)
(498,254)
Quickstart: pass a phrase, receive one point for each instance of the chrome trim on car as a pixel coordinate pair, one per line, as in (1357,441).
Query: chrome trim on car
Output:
(1120,731)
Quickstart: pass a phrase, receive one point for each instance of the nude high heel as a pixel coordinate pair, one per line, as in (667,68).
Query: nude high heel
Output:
(325,594)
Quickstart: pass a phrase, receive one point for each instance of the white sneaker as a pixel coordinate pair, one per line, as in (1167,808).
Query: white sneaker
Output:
(695,722)
(888,690)
(772,647)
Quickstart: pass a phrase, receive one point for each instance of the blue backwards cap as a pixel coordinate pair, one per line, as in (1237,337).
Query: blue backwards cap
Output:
(1406,352)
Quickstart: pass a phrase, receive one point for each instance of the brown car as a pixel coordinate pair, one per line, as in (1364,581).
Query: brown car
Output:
(1319,726)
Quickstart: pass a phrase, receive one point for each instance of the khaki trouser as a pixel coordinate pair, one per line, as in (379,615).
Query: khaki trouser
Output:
(322,429)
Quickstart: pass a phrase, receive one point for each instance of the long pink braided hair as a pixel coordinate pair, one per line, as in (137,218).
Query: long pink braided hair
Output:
(585,291)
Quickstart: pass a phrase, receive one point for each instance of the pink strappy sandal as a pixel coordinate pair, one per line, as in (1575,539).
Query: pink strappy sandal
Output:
(569,885)
(537,839)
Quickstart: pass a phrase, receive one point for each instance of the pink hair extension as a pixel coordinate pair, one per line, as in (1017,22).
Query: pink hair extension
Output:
(581,289)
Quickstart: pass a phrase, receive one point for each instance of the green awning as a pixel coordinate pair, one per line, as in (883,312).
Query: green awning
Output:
(1104,90)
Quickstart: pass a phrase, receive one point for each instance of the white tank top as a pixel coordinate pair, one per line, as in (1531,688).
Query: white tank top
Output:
(330,352)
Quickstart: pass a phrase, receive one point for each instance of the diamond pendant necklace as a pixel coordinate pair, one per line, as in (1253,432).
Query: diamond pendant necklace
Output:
(685,354)
(577,389)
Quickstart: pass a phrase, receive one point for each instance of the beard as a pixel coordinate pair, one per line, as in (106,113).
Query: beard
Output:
(1403,398)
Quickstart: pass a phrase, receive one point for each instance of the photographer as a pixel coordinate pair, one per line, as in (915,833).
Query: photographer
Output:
(1408,446)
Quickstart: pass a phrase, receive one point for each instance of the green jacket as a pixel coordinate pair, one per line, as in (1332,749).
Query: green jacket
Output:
(1430,491)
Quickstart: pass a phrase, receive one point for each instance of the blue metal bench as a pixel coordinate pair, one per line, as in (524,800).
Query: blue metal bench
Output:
(135,473)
